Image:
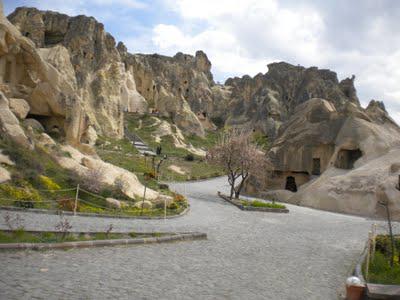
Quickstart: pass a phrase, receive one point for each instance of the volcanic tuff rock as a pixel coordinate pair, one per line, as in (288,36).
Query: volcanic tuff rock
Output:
(341,160)
(267,100)
(46,79)
(86,58)
(178,87)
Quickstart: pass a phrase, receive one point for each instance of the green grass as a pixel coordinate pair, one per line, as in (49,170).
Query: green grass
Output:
(26,189)
(21,236)
(380,270)
(256,203)
(129,159)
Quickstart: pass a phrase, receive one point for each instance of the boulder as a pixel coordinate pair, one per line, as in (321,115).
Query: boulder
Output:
(146,204)
(5,160)
(4,175)
(106,174)
(46,140)
(9,124)
(34,124)
(159,202)
(19,107)
(114,203)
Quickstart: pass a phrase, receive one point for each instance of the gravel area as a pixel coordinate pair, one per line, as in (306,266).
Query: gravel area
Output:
(305,254)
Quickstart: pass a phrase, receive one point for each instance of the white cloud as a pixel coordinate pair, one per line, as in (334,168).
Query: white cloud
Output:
(243,36)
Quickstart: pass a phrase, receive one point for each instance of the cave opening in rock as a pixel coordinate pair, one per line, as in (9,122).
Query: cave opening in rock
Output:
(316,167)
(346,158)
(291,184)
(51,124)
(53,37)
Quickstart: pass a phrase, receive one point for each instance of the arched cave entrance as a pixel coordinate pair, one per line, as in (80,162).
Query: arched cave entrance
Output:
(291,184)
(346,158)
(52,125)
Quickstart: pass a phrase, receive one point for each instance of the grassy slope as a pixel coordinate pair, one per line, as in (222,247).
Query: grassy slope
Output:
(123,154)
(26,189)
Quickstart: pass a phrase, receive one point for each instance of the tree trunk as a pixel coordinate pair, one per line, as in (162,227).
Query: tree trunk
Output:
(239,188)
(231,180)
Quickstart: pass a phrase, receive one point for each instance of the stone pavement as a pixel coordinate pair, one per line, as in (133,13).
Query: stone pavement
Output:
(305,254)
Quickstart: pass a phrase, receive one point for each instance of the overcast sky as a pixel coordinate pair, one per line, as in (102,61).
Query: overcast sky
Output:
(360,37)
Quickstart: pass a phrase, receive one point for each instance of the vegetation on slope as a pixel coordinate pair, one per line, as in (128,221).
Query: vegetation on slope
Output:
(123,154)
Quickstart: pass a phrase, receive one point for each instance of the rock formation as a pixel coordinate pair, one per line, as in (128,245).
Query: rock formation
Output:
(66,74)
(265,101)
(178,87)
(94,86)
(343,161)
(58,89)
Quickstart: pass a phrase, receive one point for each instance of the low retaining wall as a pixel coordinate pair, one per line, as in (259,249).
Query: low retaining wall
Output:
(251,208)
(70,213)
(102,243)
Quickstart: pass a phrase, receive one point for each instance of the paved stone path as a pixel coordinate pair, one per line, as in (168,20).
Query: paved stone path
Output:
(248,255)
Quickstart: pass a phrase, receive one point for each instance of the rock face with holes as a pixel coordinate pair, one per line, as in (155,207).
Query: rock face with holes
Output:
(86,59)
(266,101)
(340,160)
(178,87)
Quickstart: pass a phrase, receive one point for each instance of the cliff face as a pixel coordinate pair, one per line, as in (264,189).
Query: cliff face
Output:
(267,100)
(95,70)
(106,80)
(178,87)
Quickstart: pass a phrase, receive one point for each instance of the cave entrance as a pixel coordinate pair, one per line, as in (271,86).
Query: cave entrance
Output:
(346,158)
(291,184)
(53,37)
(53,125)
(316,167)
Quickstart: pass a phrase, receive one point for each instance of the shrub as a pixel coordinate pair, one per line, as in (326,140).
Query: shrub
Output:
(24,194)
(173,206)
(48,183)
(68,205)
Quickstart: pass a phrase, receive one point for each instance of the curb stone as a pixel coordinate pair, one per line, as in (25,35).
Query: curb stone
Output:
(103,243)
(69,213)
(248,208)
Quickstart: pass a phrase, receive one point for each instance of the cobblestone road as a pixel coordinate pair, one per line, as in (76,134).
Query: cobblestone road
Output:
(248,255)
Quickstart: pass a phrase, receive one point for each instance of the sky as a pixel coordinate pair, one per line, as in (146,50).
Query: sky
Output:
(360,37)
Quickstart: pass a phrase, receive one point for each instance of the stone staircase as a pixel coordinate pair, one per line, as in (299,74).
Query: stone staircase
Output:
(138,143)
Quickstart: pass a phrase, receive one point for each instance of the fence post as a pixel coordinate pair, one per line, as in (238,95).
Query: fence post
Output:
(76,199)
(165,209)
(144,197)
(368,255)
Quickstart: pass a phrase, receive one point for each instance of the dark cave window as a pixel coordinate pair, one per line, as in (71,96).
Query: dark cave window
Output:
(291,184)
(346,158)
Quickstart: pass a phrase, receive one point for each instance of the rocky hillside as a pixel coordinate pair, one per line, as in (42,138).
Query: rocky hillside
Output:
(67,77)
(267,100)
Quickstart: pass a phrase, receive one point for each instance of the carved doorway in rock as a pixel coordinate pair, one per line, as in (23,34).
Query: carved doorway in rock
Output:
(291,184)
(316,169)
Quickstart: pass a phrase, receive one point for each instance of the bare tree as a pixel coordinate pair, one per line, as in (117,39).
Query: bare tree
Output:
(63,226)
(239,158)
